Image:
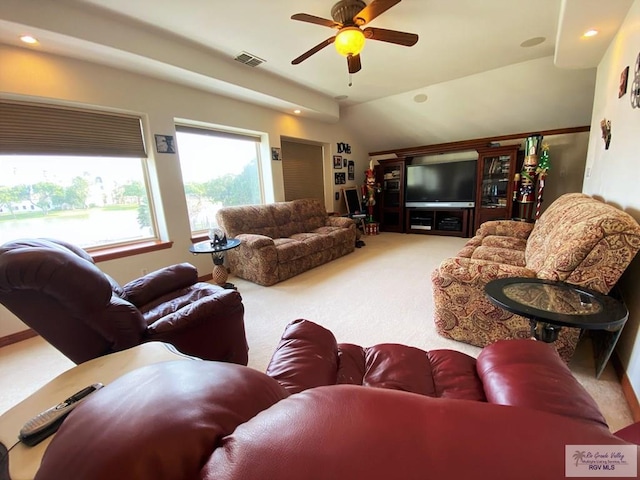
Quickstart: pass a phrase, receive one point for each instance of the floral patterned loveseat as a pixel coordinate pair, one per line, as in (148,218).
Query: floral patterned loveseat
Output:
(282,239)
(578,239)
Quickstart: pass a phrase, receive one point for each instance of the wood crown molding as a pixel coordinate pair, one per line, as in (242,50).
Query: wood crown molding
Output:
(473,144)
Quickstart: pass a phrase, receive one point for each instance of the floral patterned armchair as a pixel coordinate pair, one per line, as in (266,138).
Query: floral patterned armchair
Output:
(578,240)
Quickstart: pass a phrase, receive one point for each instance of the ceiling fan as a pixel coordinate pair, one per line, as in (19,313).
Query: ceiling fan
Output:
(348,18)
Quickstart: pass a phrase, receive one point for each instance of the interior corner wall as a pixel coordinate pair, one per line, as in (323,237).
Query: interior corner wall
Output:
(612,174)
(33,75)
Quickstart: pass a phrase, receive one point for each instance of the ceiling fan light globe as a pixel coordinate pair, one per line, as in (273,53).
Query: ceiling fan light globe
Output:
(349,41)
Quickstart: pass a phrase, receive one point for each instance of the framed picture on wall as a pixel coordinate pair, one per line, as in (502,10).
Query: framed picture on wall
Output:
(164,144)
(337,162)
(340,178)
(351,170)
(624,79)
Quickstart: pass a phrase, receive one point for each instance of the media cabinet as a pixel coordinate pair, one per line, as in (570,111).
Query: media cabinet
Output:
(455,222)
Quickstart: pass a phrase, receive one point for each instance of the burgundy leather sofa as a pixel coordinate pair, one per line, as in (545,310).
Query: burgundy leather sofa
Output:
(56,289)
(335,411)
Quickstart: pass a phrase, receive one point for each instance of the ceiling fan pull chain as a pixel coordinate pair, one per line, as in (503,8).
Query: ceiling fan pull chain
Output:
(350,80)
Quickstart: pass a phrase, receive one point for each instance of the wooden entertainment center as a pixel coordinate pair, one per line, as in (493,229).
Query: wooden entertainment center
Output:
(496,167)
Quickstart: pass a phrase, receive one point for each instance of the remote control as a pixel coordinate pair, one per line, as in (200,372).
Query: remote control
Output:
(47,423)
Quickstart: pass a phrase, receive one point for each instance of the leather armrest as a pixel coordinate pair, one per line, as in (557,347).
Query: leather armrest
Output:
(527,373)
(159,421)
(198,310)
(156,284)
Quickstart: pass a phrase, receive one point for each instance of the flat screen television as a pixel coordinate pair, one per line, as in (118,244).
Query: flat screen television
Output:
(448,184)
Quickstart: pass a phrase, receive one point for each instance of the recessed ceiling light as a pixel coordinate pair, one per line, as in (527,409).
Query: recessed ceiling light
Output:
(420,98)
(590,33)
(532,42)
(297,112)
(29,39)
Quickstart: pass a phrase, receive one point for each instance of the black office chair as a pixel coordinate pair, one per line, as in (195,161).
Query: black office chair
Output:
(355,211)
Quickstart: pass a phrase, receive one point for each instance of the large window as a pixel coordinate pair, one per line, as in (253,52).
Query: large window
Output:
(72,174)
(218,169)
(87,201)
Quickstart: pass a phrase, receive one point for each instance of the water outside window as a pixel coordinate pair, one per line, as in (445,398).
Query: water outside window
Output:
(87,201)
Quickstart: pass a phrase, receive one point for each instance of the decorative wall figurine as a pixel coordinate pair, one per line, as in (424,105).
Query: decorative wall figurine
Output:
(526,192)
(605,125)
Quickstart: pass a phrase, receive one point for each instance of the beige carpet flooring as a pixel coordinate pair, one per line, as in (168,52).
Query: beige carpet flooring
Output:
(381,293)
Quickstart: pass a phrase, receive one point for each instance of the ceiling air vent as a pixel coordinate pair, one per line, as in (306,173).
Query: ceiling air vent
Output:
(249,59)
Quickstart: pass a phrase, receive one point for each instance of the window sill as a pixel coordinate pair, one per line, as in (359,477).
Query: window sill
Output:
(112,253)
(199,238)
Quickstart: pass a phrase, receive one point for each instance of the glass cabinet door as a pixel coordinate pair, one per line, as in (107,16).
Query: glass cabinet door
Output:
(494,190)
(495,181)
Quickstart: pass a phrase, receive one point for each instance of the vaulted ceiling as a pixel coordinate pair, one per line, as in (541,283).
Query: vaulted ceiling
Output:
(470,75)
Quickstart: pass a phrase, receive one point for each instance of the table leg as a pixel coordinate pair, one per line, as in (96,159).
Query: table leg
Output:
(544,331)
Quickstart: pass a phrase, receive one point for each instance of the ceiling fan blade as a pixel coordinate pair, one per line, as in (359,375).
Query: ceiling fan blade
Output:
(353,62)
(372,10)
(315,49)
(391,36)
(305,17)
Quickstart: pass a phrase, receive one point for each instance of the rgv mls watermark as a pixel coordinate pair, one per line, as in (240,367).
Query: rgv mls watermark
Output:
(601,461)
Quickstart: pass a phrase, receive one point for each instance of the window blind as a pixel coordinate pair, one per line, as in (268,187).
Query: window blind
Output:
(218,133)
(302,171)
(38,129)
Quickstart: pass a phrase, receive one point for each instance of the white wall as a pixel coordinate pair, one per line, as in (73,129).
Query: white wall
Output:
(29,74)
(614,174)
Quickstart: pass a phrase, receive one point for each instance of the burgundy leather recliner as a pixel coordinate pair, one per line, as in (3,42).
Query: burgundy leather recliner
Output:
(57,290)
(329,411)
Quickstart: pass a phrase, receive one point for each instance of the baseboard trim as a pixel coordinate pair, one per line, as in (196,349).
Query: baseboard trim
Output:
(17,337)
(627,388)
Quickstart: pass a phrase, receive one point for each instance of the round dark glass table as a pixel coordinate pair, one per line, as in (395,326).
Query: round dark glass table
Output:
(550,305)
(217,252)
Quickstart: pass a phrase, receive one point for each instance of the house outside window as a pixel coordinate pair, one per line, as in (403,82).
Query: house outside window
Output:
(73,174)
(219,169)
(86,201)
